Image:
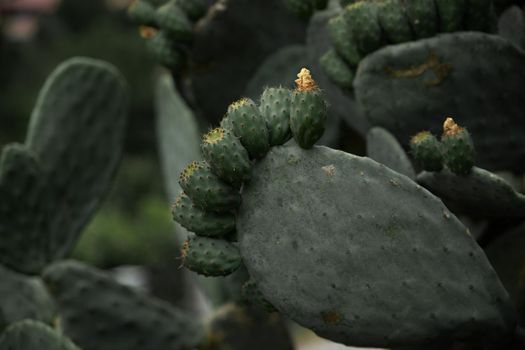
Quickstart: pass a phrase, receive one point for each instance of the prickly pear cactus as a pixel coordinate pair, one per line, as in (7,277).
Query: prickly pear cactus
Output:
(23,297)
(334,283)
(310,228)
(52,185)
(98,313)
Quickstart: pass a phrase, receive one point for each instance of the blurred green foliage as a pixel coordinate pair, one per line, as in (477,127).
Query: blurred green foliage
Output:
(79,28)
(133,227)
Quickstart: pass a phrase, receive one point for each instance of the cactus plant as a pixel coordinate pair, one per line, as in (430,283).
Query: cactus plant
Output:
(417,245)
(332,282)
(62,171)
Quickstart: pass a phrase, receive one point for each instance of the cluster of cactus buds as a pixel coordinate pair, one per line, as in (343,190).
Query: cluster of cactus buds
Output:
(168,27)
(365,26)
(455,150)
(211,187)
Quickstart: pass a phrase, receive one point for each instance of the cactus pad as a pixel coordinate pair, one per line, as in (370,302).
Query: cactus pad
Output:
(210,257)
(26,211)
(408,88)
(33,335)
(76,131)
(23,297)
(323,271)
(199,221)
(480,193)
(100,314)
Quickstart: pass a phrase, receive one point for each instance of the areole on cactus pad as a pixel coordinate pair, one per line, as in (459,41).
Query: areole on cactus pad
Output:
(312,225)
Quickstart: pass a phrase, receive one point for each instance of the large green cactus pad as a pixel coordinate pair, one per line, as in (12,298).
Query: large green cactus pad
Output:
(100,314)
(76,131)
(480,193)
(33,335)
(26,207)
(23,297)
(340,243)
(411,87)
(506,255)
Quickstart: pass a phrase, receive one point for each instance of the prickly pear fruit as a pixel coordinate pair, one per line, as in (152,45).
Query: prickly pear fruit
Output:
(210,257)
(308,111)
(458,148)
(337,70)
(226,155)
(427,151)
(142,12)
(206,190)
(203,223)
(394,21)
(274,106)
(162,48)
(172,19)
(342,38)
(363,19)
(245,121)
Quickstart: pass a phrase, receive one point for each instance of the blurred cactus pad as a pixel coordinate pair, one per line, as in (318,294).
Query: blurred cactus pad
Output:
(319,174)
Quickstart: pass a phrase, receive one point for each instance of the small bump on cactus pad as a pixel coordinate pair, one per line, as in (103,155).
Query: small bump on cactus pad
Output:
(308,111)
(210,257)
(204,223)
